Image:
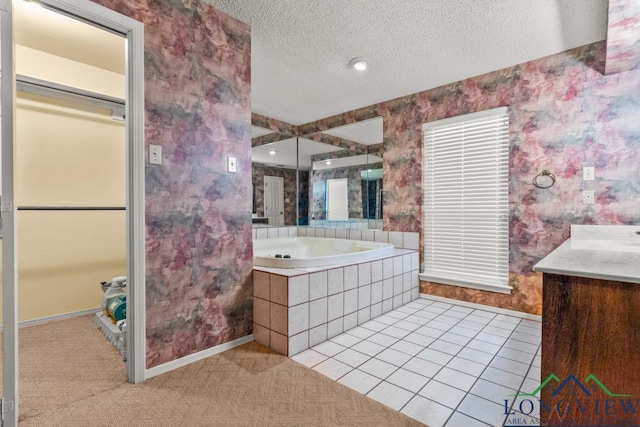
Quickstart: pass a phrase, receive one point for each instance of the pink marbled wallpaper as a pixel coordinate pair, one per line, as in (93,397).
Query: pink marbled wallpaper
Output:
(198,217)
(623,36)
(564,113)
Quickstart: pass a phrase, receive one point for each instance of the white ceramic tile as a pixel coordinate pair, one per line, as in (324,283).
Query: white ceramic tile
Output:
(475,355)
(408,380)
(317,285)
(318,334)
(293,232)
(387,319)
(355,234)
(262,233)
(387,288)
(376,310)
(341,234)
(415,261)
(387,305)
(455,338)
(422,367)
(415,318)
(454,314)
(421,340)
(350,277)
(442,393)
(309,358)
(283,232)
(350,321)
(474,326)
(361,332)
(536,361)
(350,301)
(406,297)
(299,343)
(382,339)
(482,410)
(335,281)
(395,332)
(484,313)
(427,411)
(261,335)
(364,296)
(397,301)
(394,357)
(254,234)
(374,325)
(492,391)
(298,289)
(519,356)
(279,343)
(531,323)
(528,386)
(359,381)
(436,324)
(397,266)
(317,312)
(503,378)
(406,325)
(406,281)
(330,233)
(381,236)
(406,263)
(387,268)
(332,368)
(462,309)
(411,241)
(466,366)
(376,292)
(335,327)
(530,339)
(367,347)
(364,274)
(521,346)
(390,395)
(473,317)
(395,238)
(346,340)
(376,271)
(302,231)
(429,332)
(459,419)
(503,325)
(490,338)
(329,348)
(368,235)
(378,368)
(483,346)
(261,312)
(364,315)
(510,366)
(530,331)
(272,233)
(455,378)
(320,232)
(534,373)
(508,319)
(407,347)
(298,319)
(465,332)
(435,356)
(433,309)
(351,357)
(443,318)
(335,306)
(278,289)
(494,330)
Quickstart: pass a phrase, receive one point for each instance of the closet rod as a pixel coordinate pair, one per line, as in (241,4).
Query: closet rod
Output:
(68,93)
(71,208)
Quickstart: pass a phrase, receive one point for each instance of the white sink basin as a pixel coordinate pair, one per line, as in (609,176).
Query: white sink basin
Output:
(619,245)
(618,238)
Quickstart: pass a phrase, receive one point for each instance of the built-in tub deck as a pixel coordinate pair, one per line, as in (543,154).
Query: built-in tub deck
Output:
(297,308)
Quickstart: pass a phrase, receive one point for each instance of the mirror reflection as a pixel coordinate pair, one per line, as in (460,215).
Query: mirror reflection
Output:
(336,177)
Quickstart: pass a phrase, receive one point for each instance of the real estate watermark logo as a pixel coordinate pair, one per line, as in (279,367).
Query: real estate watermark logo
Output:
(571,397)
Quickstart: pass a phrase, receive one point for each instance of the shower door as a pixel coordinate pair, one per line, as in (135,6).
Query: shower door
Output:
(9,402)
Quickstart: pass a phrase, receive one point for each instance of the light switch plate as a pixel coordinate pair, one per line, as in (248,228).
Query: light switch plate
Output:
(155,154)
(232,164)
(588,197)
(588,173)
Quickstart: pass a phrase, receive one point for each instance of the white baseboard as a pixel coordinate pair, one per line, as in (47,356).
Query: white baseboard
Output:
(183,361)
(504,311)
(54,318)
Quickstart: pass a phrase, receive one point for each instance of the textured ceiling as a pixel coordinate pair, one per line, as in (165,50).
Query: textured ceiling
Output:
(301,48)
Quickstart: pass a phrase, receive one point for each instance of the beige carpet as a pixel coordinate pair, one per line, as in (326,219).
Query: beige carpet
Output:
(71,376)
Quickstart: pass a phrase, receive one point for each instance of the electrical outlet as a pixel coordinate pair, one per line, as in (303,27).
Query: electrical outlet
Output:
(155,154)
(232,164)
(588,197)
(588,173)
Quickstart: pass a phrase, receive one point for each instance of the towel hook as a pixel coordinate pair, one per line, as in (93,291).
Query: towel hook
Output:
(547,173)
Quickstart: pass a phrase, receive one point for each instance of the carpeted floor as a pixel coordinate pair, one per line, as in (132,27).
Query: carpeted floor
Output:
(70,375)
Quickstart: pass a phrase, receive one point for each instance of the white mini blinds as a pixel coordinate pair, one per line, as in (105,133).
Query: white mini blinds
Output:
(466,196)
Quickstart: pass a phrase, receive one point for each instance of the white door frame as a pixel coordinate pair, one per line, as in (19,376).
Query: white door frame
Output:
(280,211)
(133,31)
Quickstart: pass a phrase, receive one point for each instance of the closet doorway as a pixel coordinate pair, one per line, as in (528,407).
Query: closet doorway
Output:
(78,169)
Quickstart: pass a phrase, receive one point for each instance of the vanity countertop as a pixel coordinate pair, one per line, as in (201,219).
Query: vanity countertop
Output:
(590,255)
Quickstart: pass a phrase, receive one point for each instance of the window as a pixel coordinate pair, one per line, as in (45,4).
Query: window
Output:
(466,196)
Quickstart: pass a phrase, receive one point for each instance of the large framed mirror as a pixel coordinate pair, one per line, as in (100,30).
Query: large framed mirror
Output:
(331,178)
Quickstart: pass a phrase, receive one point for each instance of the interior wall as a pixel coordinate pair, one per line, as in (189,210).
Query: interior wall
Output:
(199,253)
(564,114)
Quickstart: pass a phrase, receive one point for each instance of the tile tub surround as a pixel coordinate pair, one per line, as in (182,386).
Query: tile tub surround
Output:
(295,309)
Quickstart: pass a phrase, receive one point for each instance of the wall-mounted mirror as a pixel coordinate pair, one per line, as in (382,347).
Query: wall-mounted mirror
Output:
(335,176)
(346,184)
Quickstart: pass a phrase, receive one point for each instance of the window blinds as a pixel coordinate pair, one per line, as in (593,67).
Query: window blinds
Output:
(466,211)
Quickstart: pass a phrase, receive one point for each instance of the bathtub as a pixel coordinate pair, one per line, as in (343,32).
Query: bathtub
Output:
(315,251)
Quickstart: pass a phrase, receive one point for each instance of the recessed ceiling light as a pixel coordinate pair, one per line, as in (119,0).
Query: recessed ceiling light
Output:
(328,162)
(359,64)
(273,152)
